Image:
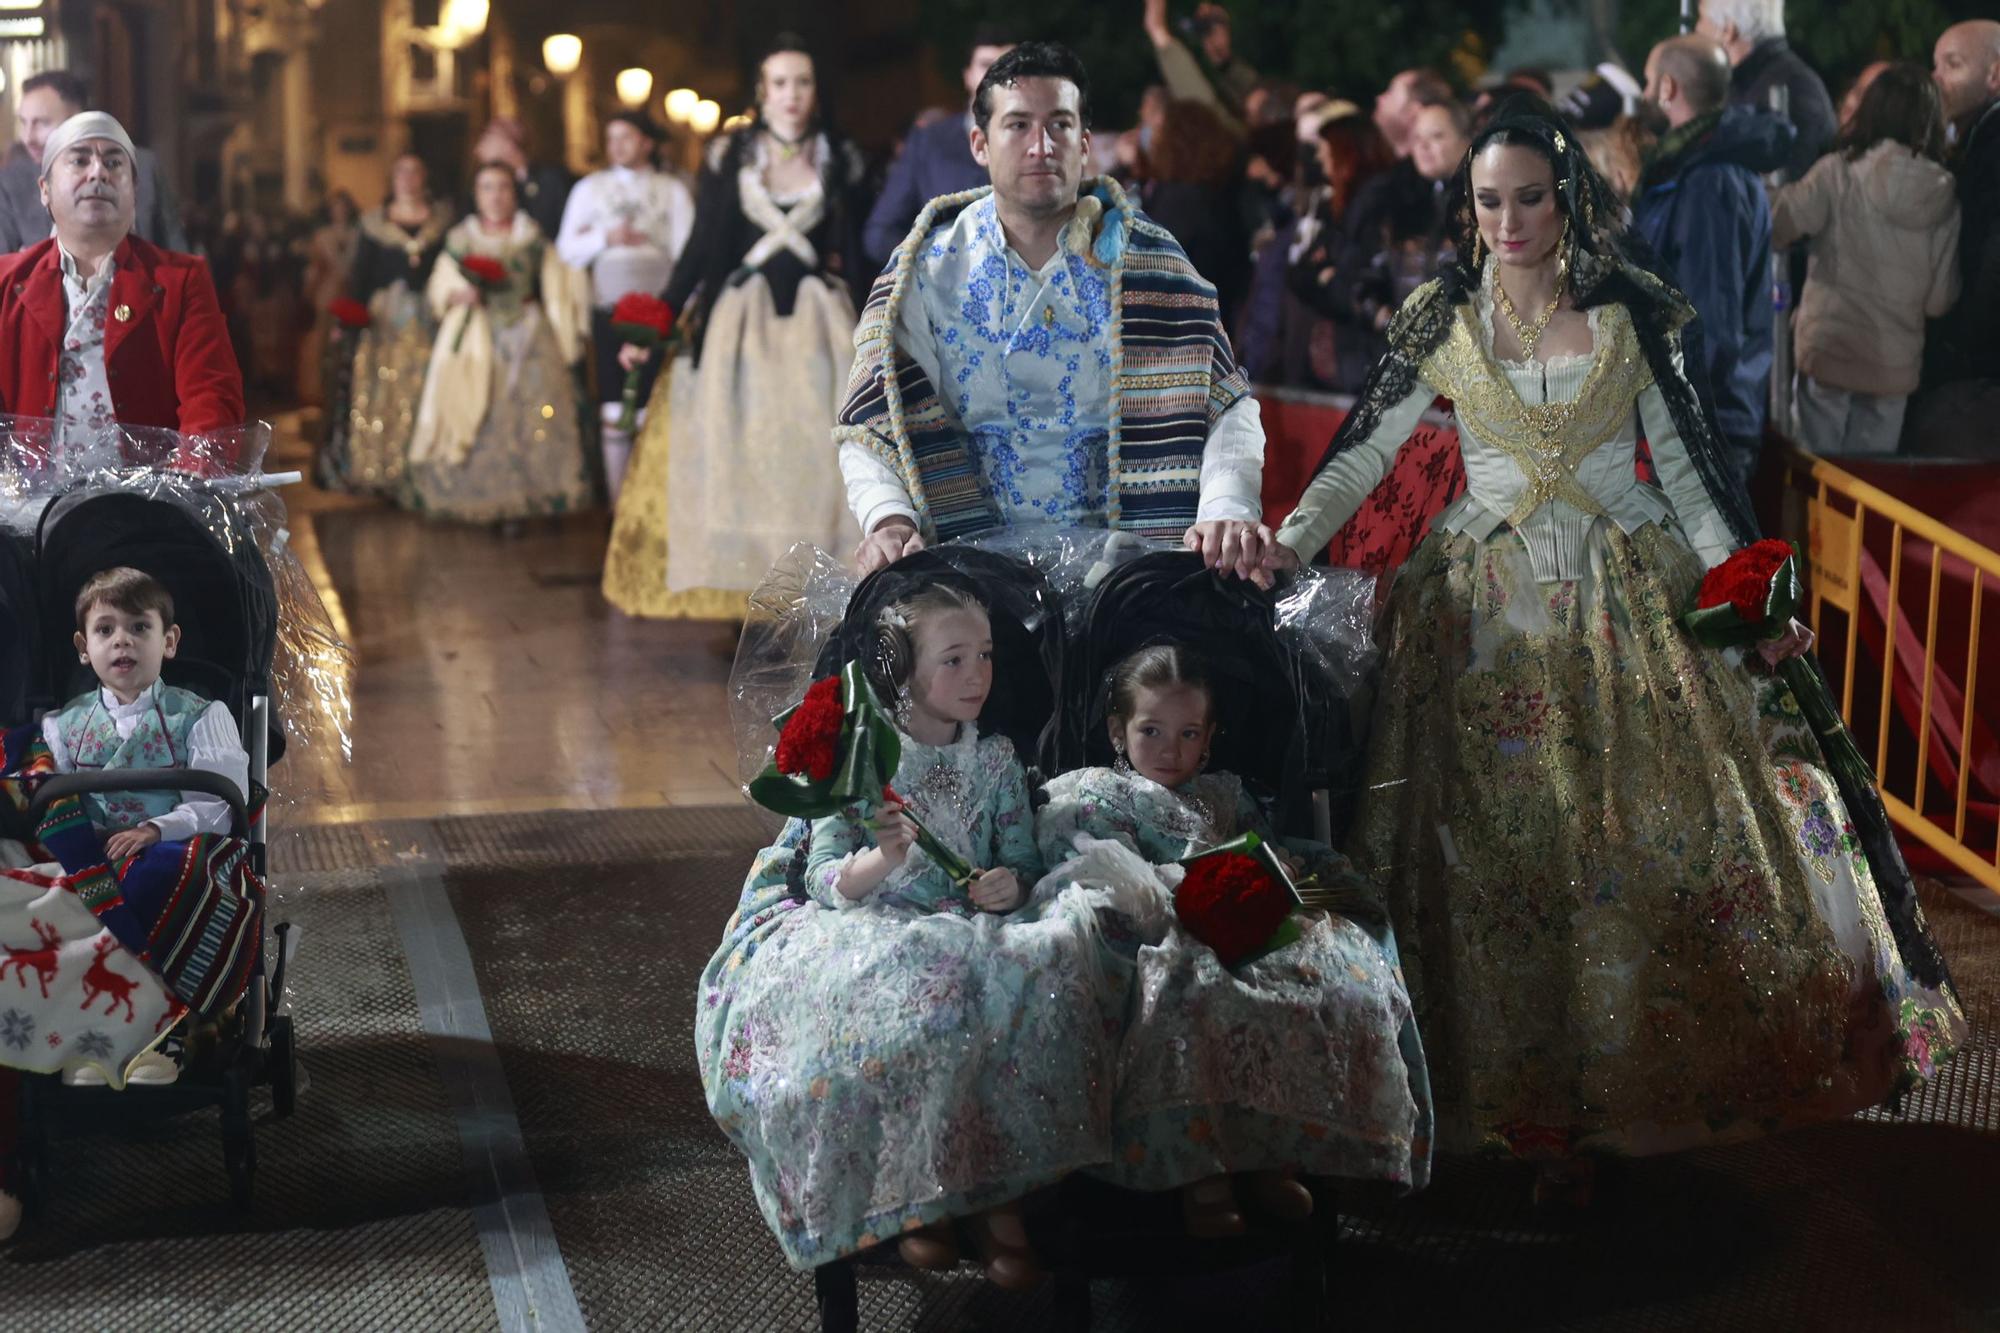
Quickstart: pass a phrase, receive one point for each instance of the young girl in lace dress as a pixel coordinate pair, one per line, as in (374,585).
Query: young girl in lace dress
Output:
(899,1049)
(1303,1061)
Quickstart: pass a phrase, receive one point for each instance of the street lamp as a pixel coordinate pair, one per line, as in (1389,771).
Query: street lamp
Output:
(562,53)
(634,86)
(462,21)
(705,116)
(681,103)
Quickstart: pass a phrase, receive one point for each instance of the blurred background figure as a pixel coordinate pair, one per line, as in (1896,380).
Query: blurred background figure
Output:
(1751,34)
(1881,215)
(329,260)
(1193,190)
(1337,270)
(936,158)
(542,187)
(496,436)
(397,247)
(626,226)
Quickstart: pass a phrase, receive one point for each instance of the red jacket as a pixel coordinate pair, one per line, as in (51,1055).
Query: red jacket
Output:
(168,357)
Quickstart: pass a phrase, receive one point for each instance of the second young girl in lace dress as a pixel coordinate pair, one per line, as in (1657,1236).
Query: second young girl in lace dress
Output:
(1303,1061)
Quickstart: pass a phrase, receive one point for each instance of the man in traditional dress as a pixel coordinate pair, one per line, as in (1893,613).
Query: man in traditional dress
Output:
(625,225)
(98,327)
(47,100)
(1041,352)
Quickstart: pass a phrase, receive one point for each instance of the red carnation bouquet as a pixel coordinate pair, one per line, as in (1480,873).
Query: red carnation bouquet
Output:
(349,313)
(837,747)
(646,321)
(487,275)
(1751,598)
(1238,900)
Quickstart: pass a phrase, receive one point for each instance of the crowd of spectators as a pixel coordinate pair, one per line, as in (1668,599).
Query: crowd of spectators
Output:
(1316,217)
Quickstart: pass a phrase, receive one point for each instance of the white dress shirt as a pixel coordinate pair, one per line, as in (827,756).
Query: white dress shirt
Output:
(656,203)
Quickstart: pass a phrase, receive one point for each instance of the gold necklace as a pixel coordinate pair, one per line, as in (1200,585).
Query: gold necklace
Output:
(1530,334)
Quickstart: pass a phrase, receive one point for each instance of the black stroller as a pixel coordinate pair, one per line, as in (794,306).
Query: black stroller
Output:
(1043,689)
(204,550)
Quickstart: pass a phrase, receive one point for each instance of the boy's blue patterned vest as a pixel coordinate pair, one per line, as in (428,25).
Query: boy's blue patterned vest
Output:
(159,741)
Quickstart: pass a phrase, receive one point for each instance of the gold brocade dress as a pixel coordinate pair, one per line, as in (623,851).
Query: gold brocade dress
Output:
(391,355)
(635,564)
(1635,916)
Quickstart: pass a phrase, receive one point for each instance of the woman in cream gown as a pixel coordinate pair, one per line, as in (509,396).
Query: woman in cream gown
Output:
(733,464)
(1637,911)
(496,436)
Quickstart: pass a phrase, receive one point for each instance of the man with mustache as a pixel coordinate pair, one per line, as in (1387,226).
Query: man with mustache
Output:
(99,328)
(1044,353)
(47,100)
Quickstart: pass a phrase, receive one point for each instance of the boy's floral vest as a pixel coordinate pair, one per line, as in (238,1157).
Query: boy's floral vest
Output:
(159,741)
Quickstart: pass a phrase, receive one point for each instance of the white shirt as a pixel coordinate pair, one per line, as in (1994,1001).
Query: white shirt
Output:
(1022,358)
(1554,533)
(214,746)
(654,202)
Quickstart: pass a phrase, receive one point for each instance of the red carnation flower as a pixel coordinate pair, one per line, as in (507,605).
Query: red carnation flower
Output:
(484,270)
(809,743)
(1232,903)
(349,313)
(1744,579)
(642,311)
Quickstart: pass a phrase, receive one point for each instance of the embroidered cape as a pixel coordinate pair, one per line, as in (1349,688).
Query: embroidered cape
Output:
(1173,375)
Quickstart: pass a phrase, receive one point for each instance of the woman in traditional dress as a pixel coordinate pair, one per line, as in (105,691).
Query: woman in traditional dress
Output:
(329,259)
(496,437)
(732,467)
(399,244)
(1637,912)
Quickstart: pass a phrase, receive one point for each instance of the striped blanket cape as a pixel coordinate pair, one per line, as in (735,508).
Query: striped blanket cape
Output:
(105,957)
(1172,376)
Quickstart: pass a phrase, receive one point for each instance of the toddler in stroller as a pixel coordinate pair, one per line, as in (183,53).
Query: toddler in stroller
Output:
(1303,1061)
(124,908)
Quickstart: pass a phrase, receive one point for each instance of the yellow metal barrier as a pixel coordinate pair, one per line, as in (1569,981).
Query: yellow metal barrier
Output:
(1830,513)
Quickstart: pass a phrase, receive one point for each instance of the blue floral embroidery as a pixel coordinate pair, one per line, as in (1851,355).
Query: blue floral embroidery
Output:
(1038,408)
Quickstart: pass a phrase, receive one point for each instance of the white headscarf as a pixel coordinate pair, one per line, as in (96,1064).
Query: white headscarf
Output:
(85,125)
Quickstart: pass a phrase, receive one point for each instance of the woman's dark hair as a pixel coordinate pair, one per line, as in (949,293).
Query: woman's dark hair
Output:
(1526,121)
(1901,105)
(1360,152)
(1032,60)
(1164,666)
(1194,147)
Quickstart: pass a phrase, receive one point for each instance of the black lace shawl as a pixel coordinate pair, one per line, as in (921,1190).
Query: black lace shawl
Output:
(1612,264)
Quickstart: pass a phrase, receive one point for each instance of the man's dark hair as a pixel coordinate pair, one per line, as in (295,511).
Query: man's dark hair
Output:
(641,122)
(1032,60)
(1460,113)
(1902,105)
(65,85)
(125,589)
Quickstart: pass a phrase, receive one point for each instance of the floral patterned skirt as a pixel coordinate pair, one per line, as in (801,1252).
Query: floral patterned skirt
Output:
(883,1070)
(527,459)
(390,359)
(1634,915)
